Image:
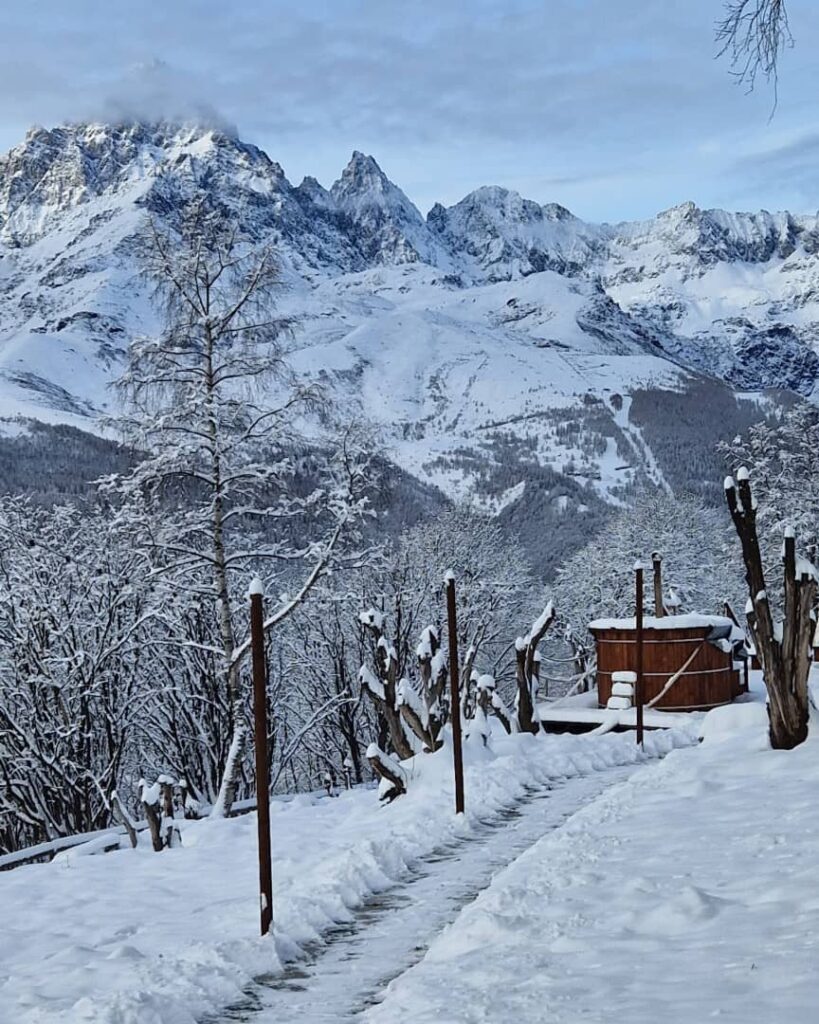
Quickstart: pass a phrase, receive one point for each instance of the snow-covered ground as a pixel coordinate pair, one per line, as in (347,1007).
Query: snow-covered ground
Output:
(134,937)
(679,891)
(348,972)
(686,894)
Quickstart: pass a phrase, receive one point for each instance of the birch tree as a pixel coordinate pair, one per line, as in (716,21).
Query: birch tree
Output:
(229,487)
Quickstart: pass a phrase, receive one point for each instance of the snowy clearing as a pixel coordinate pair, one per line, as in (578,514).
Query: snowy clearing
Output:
(686,894)
(140,938)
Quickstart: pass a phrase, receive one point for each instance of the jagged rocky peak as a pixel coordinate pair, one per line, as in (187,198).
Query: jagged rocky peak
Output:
(312,191)
(554,211)
(509,236)
(362,177)
(386,226)
(492,204)
(94,171)
(56,170)
(703,237)
(93,154)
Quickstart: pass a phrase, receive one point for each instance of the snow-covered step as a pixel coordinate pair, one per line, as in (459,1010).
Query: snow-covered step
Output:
(622,690)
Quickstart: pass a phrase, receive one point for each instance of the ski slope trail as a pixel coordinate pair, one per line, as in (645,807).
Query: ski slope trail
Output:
(344,975)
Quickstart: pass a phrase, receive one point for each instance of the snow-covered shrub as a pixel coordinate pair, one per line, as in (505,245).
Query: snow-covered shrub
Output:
(76,614)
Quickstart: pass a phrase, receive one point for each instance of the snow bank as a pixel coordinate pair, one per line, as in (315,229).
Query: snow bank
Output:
(749,719)
(135,937)
(684,895)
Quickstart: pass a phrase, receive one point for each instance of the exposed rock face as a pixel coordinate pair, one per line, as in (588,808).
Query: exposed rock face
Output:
(379,218)
(505,236)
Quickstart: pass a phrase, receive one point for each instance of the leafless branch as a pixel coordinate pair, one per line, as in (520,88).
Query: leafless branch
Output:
(753,34)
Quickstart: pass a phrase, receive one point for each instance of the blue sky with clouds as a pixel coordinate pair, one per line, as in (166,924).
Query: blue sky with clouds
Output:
(614,108)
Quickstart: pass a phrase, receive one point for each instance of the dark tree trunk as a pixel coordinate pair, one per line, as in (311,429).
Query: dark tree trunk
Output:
(785,662)
(527,671)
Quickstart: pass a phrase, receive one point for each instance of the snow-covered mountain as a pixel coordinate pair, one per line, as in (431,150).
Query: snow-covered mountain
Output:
(489,336)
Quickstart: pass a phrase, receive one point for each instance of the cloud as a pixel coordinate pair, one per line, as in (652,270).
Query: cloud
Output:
(793,164)
(617,104)
(154,91)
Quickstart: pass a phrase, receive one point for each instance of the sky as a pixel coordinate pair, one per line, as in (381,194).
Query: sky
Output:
(614,108)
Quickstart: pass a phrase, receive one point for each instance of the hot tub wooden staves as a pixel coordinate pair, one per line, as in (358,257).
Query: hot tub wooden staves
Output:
(668,643)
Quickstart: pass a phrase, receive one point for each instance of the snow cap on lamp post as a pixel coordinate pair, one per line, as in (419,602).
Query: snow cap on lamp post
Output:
(255,588)
(638,565)
(449,577)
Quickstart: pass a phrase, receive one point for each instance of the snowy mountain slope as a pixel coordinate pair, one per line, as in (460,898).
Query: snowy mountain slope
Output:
(492,320)
(447,371)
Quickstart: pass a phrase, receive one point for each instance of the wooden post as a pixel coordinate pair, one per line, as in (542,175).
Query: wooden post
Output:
(454,678)
(260,742)
(657,560)
(638,622)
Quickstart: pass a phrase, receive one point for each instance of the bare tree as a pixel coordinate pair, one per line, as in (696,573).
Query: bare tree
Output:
(495,591)
(213,403)
(324,648)
(784,649)
(753,34)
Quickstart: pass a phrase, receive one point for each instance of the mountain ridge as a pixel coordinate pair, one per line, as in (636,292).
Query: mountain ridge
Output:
(517,313)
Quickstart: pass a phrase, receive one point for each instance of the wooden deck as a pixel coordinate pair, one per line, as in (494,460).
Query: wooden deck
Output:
(582,713)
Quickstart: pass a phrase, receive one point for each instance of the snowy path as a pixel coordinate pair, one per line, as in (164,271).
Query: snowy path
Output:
(687,894)
(347,973)
(142,938)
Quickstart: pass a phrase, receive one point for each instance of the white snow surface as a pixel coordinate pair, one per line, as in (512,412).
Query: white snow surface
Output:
(685,894)
(691,621)
(135,937)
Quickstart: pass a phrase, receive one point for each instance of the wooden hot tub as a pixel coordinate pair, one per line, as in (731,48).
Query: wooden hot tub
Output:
(668,643)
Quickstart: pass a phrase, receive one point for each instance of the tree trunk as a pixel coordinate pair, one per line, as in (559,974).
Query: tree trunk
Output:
(527,670)
(786,662)
(388,771)
(227,788)
(150,802)
(124,818)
